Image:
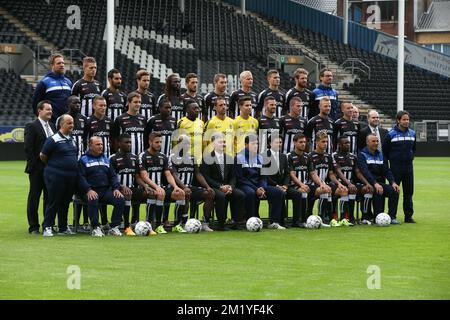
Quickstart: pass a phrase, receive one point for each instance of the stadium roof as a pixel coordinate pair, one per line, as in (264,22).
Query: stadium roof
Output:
(436,18)
(328,6)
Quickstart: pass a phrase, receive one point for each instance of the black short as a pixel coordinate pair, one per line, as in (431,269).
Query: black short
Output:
(197,193)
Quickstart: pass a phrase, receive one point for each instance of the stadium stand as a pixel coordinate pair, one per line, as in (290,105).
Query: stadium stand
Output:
(422,88)
(16,108)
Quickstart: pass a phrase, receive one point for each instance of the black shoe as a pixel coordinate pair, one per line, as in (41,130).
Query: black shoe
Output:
(296,225)
(222,228)
(35,232)
(409,220)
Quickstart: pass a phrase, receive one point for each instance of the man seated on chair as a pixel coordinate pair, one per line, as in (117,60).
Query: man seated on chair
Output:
(218,169)
(126,165)
(276,169)
(184,168)
(154,169)
(99,184)
(254,184)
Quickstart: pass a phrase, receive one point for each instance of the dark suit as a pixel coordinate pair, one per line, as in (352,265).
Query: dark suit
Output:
(215,180)
(34,140)
(365,131)
(280,177)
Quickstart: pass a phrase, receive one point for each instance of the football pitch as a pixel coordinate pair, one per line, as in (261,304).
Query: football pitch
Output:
(410,261)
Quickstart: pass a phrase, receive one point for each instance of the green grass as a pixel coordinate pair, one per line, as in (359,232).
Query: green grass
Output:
(293,264)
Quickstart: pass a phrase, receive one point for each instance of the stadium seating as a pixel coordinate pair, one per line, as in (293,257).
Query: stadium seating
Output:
(423,90)
(16,108)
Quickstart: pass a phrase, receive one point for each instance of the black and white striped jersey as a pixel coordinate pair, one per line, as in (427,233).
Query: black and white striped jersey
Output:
(322,164)
(289,127)
(155,165)
(79,123)
(166,127)
(126,166)
(86,91)
(234,110)
(185,168)
(267,126)
(177,106)
(198,98)
(279,98)
(116,103)
(134,126)
(100,128)
(305,95)
(210,100)
(349,129)
(299,164)
(317,124)
(148,104)
(347,163)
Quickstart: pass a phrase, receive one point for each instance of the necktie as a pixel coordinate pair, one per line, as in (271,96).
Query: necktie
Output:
(48,132)
(222,167)
(377,132)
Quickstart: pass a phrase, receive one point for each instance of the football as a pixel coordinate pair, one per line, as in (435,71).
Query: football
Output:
(193,226)
(383,219)
(142,228)
(254,224)
(313,222)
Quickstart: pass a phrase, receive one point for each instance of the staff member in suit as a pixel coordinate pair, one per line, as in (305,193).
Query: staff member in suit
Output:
(218,169)
(373,119)
(59,153)
(276,169)
(35,134)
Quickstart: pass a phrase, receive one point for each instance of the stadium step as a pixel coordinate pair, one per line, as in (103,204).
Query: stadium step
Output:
(39,40)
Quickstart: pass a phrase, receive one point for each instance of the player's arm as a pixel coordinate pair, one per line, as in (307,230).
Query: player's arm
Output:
(176,178)
(171,180)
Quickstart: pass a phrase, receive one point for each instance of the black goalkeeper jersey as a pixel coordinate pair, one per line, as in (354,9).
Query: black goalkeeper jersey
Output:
(79,123)
(86,91)
(234,110)
(210,101)
(166,127)
(347,163)
(322,164)
(279,98)
(349,129)
(289,127)
(185,168)
(155,165)
(306,97)
(101,128)
(116,103)
(177,106)
(148,104)
(134,126)
(317,124)
(299,164)
(126,166)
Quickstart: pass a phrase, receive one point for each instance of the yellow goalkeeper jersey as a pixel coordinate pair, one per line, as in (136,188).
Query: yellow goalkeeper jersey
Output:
(242,128)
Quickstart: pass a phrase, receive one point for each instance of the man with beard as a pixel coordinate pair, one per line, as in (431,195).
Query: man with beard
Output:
(115,99)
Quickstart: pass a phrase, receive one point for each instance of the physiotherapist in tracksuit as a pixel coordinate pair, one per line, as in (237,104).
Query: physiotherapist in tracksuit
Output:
(97,177)
(399,148)
(59,153)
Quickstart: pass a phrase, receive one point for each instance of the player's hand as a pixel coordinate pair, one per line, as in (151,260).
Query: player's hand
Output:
(177,190)
(342,187)
(187,191)
(260,192)
(117,194)
(396,187)
(229,190)
(326,188)
(369,188)
(352,188)
(378,188)
(224,189)
(126,191)
(92,195)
